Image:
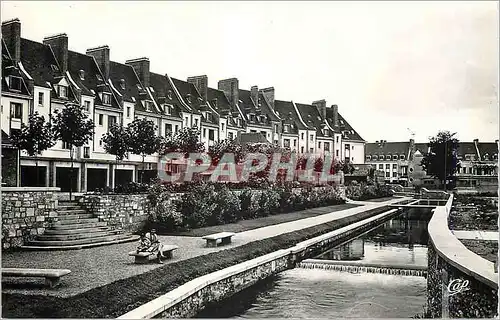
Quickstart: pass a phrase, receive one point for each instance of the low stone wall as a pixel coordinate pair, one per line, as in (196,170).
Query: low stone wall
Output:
(450,262)
(189,299)
(121,211)
(26,212)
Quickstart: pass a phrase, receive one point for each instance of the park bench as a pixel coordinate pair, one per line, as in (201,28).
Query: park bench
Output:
(52,276)
(145,257)
(225,238)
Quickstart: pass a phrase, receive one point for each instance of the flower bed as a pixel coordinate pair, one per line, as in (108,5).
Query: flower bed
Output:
(215,204)
(364,191)
(473,213)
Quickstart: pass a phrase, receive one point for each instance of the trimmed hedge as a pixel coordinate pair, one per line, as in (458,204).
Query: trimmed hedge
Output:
(365,191)
(215,204)
(119,297)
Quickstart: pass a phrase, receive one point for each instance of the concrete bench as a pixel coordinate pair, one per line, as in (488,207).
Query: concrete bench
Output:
(145,257)
(52,276)
(225,238)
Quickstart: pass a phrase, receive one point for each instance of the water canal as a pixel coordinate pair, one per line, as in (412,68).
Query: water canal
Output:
(328,293)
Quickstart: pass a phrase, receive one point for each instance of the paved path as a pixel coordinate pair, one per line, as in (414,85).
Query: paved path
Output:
(275,230)
(476,235)
(99,266)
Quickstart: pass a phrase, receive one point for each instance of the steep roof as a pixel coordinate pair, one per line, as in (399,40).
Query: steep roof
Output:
(487,148)
(267,109)
(287,113)
(313,119)
(40,63)
(164,94)
(132,86)
(387,148)
(93,79)
(261,111)
(466,148)
(348,131)
(186,90)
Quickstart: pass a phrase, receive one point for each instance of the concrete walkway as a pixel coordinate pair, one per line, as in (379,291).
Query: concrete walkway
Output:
(99,266)
(476,235)
(275,230)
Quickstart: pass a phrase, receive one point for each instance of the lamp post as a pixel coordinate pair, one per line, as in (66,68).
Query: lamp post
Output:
(446,159)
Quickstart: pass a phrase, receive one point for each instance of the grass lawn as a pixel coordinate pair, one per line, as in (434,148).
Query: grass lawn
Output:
(245,225)
(118,297)
(486,249)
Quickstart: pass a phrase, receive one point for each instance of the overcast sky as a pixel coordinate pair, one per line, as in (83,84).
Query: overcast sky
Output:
(389,66)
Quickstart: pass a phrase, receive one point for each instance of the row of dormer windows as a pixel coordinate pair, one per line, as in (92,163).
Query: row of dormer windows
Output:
(388,157)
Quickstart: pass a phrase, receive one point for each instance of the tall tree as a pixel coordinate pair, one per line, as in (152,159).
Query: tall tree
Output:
(441,162)
(74,128)
(117,142)
(143,139)
(34,138)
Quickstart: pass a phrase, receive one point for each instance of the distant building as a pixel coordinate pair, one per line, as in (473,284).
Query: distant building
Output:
(400,163)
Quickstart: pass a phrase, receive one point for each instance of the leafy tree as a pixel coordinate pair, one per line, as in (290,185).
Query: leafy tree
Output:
(143,139)
(441,162)
(217,150)
(73,127)
(34,138)
(117,141)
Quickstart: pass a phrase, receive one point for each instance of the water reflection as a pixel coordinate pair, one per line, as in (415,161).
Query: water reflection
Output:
(401,240)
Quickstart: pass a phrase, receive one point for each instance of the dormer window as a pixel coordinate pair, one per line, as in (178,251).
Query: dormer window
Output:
(81,73)
(368,157)
(167,109)
(214,103)
(169,94)
(62,91)
(387,157)
(54,67)
(188,98)
(326,132)
(402,157)
(98,76)
(394,157)
(15,83)
(122,84)
(106,98)
(286,128)
(147,105)
(375,157)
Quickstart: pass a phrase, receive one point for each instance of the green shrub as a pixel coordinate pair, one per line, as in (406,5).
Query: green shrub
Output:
(198,206)
(248,204)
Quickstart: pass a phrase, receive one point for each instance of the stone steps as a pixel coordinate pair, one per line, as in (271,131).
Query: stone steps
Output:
(70,212)
(76,230)
(76,236)
(78,226)
(62,243)
(82,215)
(82,246)
(75,220)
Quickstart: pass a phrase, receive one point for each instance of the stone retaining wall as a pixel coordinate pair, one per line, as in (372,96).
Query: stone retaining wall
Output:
(26,212)
(450,261)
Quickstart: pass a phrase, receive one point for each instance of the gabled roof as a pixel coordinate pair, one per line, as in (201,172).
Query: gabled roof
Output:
(219,103)
(10,69)
(487,148)
(313,119)
(119,71)
(466,148)
(163,94)
(387,148)
(247,106)
(344,127)
(39,62)
(185,88)
(266,108)
(287,113)
(93,79)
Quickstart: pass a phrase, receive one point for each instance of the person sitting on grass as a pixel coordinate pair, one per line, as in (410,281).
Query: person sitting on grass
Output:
(150,243)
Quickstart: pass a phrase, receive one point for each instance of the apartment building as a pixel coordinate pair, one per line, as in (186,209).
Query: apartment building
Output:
(400,163)
(44,76)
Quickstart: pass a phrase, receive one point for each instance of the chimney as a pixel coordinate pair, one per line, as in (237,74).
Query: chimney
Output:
(335,115)
(230,88)
(254,93)
(321,106)
(201,84)
(269,95)
(59,45)
(141,67)
(101,56)
(11,33)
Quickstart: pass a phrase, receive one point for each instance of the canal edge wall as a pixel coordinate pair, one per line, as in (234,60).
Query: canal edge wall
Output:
(448,260)
(189,299)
